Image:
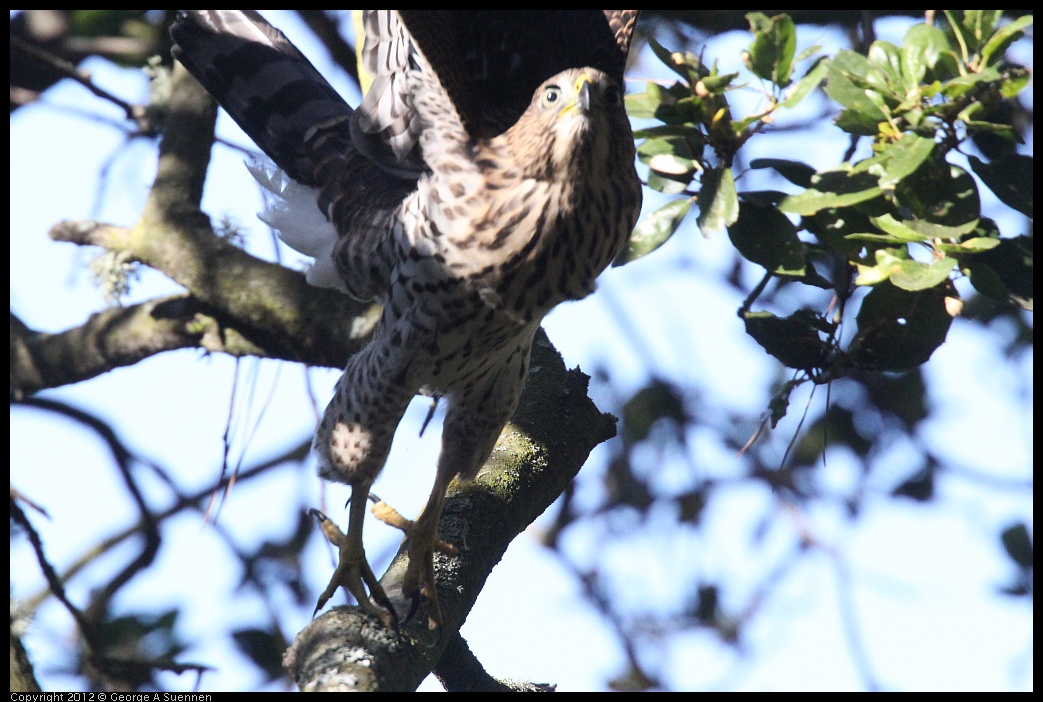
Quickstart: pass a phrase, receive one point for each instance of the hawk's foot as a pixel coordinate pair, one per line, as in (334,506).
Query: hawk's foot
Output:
(354,574)
(419,580)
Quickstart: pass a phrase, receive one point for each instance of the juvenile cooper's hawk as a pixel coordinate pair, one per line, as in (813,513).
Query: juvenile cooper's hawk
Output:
(487,176)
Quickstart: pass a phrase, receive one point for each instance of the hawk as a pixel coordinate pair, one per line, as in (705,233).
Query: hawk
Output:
(487,176)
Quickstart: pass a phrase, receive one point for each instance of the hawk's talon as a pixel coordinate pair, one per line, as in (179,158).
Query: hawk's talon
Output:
(414,605)
(354,574)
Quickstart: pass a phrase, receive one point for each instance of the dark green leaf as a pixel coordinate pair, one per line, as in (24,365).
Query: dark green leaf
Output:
(794,340)
(899,329)
(263,648)
(1005,272)
(1018,544)
(780,401)
(940,192)
(766,237)
(796,172)
(656,401)
(1010,178)
(832,226)
(919,486)
(669,58)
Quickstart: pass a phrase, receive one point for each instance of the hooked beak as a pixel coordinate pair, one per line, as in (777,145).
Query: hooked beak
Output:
(583,92)
(583,96)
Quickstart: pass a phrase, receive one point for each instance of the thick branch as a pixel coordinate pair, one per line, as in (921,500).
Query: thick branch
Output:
(272,306)
(118,337)
(538,454)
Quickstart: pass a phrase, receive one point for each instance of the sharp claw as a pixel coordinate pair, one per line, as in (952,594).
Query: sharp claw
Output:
(413,606)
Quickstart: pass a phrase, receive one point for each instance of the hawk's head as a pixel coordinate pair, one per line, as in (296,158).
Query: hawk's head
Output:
(574,122)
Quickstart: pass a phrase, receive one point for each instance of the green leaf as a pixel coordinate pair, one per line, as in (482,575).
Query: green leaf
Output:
(653,231)
(899,329)
(770,56)
(671,164)
(885,68)
(686,131)
(963,84)
(1010,178)
(920,230)
(913,275)
(673,105)
(898,159)
(922,48)
(811,201)
(845,83)
(766,237)
(1015,78)
(643,105)
(1001,130)
(974,27)
(668,185)
(999,42)
(803,87)
(718,201)
(903,271)
(668,58)
(886,263)
(973,245)
(672,154)
(899,230)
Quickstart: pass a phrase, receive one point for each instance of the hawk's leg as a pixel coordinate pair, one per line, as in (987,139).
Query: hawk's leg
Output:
(352,444)
(473,422)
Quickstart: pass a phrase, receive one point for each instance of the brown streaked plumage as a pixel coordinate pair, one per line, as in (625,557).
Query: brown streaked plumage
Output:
(487,176)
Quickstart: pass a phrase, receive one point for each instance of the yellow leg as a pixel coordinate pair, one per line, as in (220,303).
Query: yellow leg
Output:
(353,571)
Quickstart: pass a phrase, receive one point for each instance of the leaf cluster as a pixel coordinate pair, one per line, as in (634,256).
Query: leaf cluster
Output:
(892,229)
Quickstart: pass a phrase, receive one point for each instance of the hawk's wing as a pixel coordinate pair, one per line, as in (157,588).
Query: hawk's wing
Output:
(489,62)
(290,111)
(486,66)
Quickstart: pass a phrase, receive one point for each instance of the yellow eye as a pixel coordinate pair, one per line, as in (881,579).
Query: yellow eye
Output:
(551,96)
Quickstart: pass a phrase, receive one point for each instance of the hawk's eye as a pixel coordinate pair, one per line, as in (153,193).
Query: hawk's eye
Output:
(551,95)
(612,96)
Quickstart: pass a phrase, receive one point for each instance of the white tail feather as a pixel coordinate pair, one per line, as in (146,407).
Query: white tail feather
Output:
(291,210)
